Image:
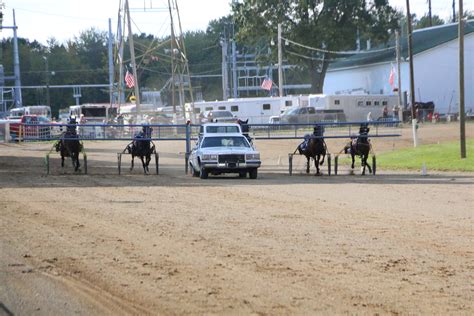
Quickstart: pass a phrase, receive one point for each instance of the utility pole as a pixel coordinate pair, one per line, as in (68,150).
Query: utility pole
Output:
(412,76)
(280,62)
(429,13)
(454,11)
(225,96)
(173,74)
(120,81)
(234,70)
(134,65)
(400,107)
(462,118)
(111,64)
(46,65)
(16,65)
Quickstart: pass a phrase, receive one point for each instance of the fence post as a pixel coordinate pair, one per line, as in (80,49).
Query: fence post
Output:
(20,132)
(188,146)
(7,132)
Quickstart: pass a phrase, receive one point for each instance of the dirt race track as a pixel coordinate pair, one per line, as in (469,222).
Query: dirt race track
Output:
(394,243)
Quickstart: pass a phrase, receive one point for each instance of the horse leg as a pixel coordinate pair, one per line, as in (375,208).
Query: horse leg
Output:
(322,160)
(147,163)
(78,163)
(353,159)
(307,164)
(363,162)
(62,161)
(316,164)
(131,167)
(144,166)
(367,164)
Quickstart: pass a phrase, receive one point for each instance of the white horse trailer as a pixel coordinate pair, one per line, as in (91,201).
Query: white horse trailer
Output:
(39,110)
(356,107)
(256,110)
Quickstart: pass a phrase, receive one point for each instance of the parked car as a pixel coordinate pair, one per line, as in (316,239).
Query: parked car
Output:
(217,116)
(32,126)
(311,114)
(218,153)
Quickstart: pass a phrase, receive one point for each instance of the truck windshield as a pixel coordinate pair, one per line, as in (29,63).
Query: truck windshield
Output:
(225,141)
(222,129)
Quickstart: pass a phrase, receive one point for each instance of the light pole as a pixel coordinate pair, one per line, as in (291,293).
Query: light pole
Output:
(46,65)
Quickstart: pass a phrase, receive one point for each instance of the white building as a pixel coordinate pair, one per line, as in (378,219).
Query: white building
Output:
(436,69)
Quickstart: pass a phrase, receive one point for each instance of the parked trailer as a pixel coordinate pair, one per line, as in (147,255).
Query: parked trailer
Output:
(256,110)
(356,107)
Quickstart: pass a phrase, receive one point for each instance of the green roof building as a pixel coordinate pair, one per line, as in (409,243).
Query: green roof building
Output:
(436,68)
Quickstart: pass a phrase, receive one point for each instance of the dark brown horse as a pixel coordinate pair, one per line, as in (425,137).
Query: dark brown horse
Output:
(142,147)
(360,147)
(70,146)
(314,147)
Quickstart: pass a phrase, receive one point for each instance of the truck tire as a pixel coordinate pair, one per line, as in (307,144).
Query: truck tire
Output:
(203,174)
(194,173)
(253,173)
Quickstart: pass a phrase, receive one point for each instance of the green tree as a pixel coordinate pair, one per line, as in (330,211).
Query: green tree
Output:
(424,21)
(331,25)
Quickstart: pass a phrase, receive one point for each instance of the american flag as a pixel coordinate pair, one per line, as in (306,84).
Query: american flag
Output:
(129,80)
(267,84)
(391,78)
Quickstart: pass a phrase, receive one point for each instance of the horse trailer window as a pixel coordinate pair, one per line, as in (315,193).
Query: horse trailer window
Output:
(360,103)
(209,108)
(384,103)
(197,110)
(337,102)
(234,108)
(288,103)
(376,102)
(221,108)
(266,106)
(368,103)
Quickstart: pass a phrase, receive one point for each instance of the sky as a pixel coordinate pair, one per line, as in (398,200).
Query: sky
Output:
(65,19)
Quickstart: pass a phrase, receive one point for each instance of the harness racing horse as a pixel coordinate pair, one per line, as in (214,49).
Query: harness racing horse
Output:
(360,147)
(245,129)
(314,147)
(142,147)
(70,146)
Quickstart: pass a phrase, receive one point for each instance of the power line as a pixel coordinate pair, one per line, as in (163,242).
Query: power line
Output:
(354,52)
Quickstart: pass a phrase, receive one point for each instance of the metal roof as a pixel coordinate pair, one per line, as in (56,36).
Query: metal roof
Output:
(423,39)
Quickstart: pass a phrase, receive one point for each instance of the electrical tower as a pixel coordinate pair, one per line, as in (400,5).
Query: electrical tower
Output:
(180,82)
(180,78)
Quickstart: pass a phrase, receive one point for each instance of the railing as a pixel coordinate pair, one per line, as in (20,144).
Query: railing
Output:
(168,132)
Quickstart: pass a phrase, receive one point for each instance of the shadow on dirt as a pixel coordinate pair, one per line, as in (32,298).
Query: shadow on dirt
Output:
(26,172)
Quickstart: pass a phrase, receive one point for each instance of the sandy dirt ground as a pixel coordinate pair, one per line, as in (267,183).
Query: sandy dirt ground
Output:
(394,243)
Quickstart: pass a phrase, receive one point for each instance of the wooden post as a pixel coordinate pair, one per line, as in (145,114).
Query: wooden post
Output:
(462,116)
(412,76)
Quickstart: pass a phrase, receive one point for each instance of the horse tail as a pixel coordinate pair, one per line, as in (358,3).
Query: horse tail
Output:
(128,148)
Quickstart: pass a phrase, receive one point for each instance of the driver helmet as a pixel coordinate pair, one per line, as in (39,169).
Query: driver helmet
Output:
(72,119)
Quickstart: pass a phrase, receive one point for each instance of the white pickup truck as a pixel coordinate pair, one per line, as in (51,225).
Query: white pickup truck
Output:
(223,149)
